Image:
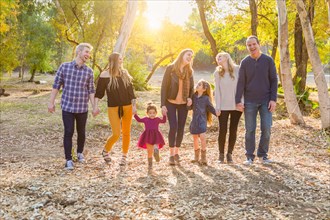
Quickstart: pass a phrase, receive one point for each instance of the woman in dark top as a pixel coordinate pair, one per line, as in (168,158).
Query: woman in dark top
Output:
(176,92)
(117,83)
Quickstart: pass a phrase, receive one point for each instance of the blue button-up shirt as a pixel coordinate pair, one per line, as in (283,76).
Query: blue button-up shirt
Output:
(77,83)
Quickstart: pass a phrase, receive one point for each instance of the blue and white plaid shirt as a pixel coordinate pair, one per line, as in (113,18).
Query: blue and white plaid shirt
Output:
(77,83)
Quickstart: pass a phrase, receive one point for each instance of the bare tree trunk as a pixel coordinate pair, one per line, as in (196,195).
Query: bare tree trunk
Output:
(208,35)
(98,43)
(300,53)
(328,4)
(254,16)
(126,27)
(289,95)
(324,100)
(156,65)
(274,49)
(33,73)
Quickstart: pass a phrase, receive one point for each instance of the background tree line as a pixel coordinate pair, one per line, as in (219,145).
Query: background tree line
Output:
(37,36)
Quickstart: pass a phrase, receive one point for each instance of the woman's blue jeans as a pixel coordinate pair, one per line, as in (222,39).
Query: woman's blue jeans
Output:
(250,113)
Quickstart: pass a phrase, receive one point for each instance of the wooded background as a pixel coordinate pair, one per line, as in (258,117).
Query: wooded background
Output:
(38,35)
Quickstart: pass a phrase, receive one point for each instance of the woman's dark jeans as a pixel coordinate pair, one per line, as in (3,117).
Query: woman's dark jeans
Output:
(223,125)
(68,121)
(177,115)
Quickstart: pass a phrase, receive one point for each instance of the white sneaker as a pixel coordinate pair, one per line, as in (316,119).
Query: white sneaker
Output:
(248,161)
(81,157)
(265,160)
(69,165)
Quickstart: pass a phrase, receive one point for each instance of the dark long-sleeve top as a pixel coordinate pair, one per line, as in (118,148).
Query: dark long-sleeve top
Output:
(170,85)
(257,80)
(120,96)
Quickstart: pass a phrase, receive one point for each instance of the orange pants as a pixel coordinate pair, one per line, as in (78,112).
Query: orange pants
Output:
(119,125)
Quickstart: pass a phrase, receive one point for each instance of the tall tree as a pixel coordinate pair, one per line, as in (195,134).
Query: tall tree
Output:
(208,35)
(93,22)
(254,16)
(37,36)
(289,95)
(318,71)
(328,6)
(9,39)
(126,27)
(300,50)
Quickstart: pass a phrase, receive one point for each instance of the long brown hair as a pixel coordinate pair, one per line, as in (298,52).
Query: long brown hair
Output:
(187,69)
(230,64)
(207,92)
(116,70)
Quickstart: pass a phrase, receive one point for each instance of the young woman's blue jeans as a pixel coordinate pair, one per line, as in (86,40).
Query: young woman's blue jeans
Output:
(68,120)
(177,116)
(250,112)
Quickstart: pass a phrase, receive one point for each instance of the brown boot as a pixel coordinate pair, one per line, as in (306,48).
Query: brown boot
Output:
(197,154)
(177,159)
(229,158)
(203,157)
(149,165)
(221,158)
(172,162)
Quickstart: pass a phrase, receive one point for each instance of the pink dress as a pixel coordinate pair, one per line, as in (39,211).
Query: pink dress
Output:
(151,134)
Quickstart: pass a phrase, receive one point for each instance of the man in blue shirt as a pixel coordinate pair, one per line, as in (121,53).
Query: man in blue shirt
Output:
(257,81)
(77,81)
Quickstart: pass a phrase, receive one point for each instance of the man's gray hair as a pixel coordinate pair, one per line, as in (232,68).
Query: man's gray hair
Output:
(81,47)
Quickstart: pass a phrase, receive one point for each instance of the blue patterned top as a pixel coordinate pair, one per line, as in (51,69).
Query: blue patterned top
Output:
(200,106)
(77,83)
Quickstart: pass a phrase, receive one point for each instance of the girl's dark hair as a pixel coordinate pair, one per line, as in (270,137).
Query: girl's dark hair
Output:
(151,106)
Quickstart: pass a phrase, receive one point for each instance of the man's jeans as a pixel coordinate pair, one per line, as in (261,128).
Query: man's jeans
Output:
(68,121)
(250,112)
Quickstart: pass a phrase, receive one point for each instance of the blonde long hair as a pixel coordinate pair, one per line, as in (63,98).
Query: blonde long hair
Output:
(116,70)
(178,61)
(230,64)
(207,92)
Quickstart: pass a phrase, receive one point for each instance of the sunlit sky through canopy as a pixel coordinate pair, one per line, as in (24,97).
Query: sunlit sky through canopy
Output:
(177,11)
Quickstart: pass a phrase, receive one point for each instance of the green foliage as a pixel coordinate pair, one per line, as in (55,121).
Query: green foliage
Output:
(303,98)
(202,59)
(8,36)
(304,101)
(139,72)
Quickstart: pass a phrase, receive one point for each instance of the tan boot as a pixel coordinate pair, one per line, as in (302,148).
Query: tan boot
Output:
(197,154)
(150,171)
(203,157)
(171,161)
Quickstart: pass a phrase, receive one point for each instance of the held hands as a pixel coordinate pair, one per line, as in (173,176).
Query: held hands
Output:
(51,107)
(272,106)
(134,111)
(240,107)
(218,113)
(96,111)
(164,110)
(189,102)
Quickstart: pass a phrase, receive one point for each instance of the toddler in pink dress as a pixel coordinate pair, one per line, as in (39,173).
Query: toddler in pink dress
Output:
(151,138)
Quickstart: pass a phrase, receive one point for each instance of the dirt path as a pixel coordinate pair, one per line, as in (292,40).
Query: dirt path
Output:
(33,184)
